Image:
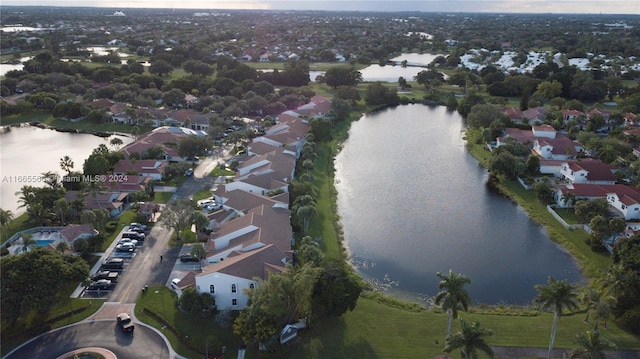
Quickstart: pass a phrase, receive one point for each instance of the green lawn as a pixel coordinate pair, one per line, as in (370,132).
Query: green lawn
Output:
(19,223)
(375,330)
(202,194)
(162,197)
(197,329)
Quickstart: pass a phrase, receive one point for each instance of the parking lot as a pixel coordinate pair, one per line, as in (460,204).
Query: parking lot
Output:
(113,272)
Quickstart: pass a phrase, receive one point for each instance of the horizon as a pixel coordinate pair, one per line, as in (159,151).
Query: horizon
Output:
(556,7)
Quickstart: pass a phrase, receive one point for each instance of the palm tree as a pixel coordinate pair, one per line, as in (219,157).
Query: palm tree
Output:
(590,346)
(615,281)
(470,340)
(27,240)
(66,164)
(589,296)
(452,293)
(6,216)
(602,310)
(61,207)
(558,295)
(569,199)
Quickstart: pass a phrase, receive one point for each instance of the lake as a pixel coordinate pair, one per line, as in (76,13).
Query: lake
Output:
(31,151)
(414,202)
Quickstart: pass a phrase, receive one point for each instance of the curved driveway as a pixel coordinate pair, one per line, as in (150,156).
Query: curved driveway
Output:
(144,343)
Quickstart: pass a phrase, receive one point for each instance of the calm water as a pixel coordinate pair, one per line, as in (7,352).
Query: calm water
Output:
(389,73)
(413,203)
(30,151)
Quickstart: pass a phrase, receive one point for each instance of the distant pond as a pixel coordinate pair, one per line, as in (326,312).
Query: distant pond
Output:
(414,202)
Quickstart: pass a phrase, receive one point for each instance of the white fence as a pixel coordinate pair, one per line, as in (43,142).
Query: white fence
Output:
(566,225)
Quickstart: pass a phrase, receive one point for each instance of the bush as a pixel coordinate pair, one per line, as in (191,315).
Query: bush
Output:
(111,226)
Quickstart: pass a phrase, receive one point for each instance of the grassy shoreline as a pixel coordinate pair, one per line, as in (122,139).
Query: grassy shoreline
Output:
(421,333)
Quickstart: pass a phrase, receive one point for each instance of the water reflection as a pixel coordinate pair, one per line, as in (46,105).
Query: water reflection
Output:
(413,202)
(26,152)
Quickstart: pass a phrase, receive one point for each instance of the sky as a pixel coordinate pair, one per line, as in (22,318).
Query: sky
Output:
(501,6)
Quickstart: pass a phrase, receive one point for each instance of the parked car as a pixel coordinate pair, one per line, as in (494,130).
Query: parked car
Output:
(134,235)
(212,207)
(105,274)
(188,258)
(137,227)
(188,173)
(126,247)
(205,202)
(113,263)
(128,240)
(100,284)
(125,323)
(174,283)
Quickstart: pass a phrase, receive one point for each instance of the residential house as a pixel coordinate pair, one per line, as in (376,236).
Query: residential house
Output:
(265,57)
(71,232)
(113,202)
(546,131)
(551,167)
(514,114)
(280,162)
(571,115)
(227,281)
(559,148)
(241,201)
(534,115)
(588,171)
(317,106)
(130,183)
(147,168)
(254,229)
(626,202)
(260,183)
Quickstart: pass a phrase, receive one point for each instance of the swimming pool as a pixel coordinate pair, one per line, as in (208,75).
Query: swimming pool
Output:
(44,242)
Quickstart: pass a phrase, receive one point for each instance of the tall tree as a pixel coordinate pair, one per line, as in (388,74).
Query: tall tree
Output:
(6,216)
(470,340)
(116,143)
(32,280)
(558,295)
(66,164)
(178,215)
(452,294)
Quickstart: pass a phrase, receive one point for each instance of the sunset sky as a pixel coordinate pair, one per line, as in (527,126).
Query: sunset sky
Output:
(508,6)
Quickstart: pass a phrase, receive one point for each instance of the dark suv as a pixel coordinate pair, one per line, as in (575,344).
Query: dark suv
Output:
(188,258)
(125,323)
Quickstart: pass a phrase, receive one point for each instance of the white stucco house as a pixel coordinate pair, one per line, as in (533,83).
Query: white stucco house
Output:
(628,204)
(228,280)
(588,171)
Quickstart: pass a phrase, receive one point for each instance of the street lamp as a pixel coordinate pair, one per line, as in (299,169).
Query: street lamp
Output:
(164,313)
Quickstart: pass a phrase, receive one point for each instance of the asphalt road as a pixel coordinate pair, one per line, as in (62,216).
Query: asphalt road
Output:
(146,268)
(144,343)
